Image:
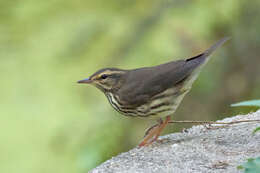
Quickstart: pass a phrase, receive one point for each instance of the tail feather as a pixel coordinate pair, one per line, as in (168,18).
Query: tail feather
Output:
(196,63)
(201,59)
(215,46)
(209,51)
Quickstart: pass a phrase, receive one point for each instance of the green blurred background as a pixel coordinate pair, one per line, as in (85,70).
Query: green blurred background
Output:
(51,124)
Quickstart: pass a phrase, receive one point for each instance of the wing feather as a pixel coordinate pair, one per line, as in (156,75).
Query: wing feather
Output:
(144,83)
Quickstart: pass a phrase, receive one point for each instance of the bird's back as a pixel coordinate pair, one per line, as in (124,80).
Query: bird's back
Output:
(144,83)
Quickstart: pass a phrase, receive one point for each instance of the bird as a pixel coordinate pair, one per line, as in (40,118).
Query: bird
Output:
(151,92)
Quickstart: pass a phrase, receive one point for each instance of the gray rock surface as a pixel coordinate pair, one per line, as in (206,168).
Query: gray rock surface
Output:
(197,150)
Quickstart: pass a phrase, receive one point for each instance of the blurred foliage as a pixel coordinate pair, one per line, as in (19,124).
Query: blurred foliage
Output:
(251,166)
(256,130)
(255,103)
(51,124)
(247,103)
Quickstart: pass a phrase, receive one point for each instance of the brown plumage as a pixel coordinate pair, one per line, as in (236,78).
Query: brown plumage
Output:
(151,91)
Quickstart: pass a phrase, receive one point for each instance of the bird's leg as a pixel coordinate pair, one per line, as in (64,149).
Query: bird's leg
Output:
(154,132)
(150,134)
(162,126)
(147,131)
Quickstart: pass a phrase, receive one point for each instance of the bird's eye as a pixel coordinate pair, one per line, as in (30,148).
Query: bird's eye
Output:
(103,76)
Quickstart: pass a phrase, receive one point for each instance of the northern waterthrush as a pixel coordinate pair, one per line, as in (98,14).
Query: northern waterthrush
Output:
(150,92)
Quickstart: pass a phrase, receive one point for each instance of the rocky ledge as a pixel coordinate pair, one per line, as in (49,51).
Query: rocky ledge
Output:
(198,149)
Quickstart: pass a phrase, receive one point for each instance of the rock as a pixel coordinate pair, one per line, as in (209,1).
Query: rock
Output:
(197,150)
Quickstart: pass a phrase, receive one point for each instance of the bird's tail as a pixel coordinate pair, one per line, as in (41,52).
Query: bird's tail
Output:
(204,56)
(197,62)
(215,46)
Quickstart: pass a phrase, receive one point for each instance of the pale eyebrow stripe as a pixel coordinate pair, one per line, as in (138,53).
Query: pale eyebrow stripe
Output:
(108,72)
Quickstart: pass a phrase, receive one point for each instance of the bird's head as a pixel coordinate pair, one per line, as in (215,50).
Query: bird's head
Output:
(106,79)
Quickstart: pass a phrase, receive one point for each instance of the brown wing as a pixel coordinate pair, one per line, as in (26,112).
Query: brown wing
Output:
(144,83)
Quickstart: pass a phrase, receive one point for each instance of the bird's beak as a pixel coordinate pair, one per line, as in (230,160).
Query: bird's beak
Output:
(87,81)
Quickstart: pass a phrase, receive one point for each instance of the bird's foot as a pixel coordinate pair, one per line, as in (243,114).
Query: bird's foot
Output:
(153,132)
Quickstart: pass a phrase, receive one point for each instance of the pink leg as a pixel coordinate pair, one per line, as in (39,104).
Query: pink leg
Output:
(154,132)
